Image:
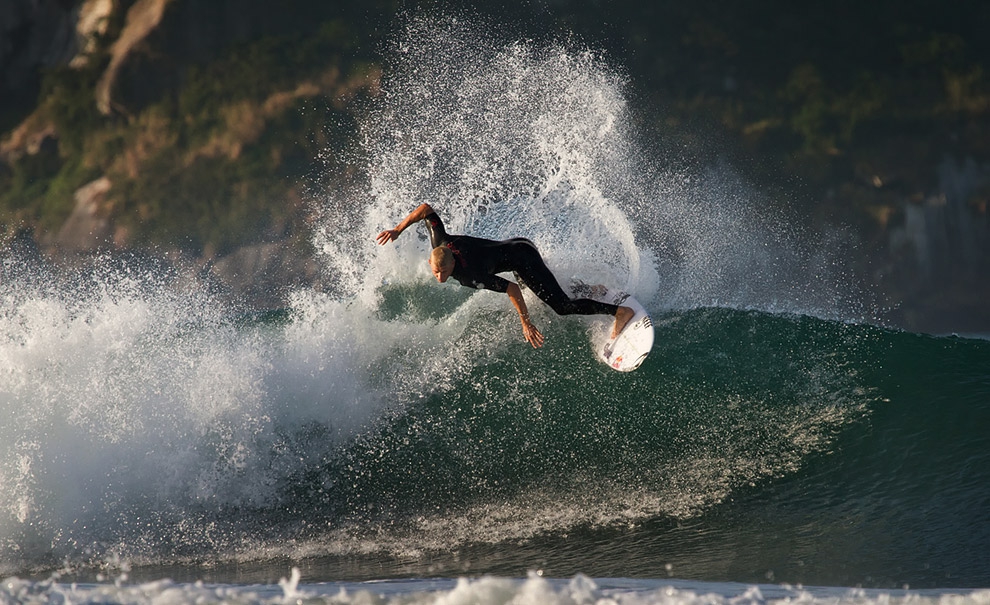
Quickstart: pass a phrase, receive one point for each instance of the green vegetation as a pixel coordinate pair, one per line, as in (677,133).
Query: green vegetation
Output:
(38,187)
(214,163)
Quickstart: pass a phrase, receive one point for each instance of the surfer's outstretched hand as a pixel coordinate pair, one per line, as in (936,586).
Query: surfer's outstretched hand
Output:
(532,335)
(388,235)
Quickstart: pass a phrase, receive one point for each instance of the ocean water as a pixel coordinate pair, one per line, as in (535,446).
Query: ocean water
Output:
(388,439)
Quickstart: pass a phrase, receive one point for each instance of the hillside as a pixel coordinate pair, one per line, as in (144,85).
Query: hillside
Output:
(121,116)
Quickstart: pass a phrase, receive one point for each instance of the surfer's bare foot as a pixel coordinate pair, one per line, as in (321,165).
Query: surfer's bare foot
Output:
(622,317)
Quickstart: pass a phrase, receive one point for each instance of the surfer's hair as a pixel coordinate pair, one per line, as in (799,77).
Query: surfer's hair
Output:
(441,257)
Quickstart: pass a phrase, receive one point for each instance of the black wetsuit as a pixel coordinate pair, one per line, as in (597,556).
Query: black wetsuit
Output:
(477,260)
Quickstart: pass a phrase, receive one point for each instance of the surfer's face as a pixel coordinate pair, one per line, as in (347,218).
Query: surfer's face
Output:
(441,272)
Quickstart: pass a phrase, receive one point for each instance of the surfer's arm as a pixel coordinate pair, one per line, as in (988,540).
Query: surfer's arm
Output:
(389,235)
(532,335)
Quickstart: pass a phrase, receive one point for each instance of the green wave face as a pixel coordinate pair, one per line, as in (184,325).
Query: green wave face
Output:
(744,432)
(727,399)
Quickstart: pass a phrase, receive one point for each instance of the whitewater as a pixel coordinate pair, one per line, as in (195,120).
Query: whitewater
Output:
(384,438)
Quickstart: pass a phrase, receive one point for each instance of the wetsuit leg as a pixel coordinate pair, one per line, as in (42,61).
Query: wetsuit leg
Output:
(528,266)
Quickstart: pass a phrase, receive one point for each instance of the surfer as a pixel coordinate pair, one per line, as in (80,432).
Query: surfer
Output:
(474,262)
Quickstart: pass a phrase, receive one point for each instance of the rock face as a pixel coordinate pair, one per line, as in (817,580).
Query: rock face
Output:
(128,54)
(161,38)
(86,229)
(158,41)
(94,18)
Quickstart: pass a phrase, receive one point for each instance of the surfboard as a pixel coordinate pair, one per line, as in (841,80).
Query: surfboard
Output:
(628,350)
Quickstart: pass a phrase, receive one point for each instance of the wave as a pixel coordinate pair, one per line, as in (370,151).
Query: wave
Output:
(133,439)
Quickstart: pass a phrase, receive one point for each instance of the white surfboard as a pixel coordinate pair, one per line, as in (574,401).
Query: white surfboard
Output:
(629,349)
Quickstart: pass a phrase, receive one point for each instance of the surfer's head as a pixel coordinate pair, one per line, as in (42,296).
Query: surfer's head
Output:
(441,263)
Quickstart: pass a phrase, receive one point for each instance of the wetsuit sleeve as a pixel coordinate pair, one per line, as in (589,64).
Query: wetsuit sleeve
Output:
(438,235)
(484,282)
